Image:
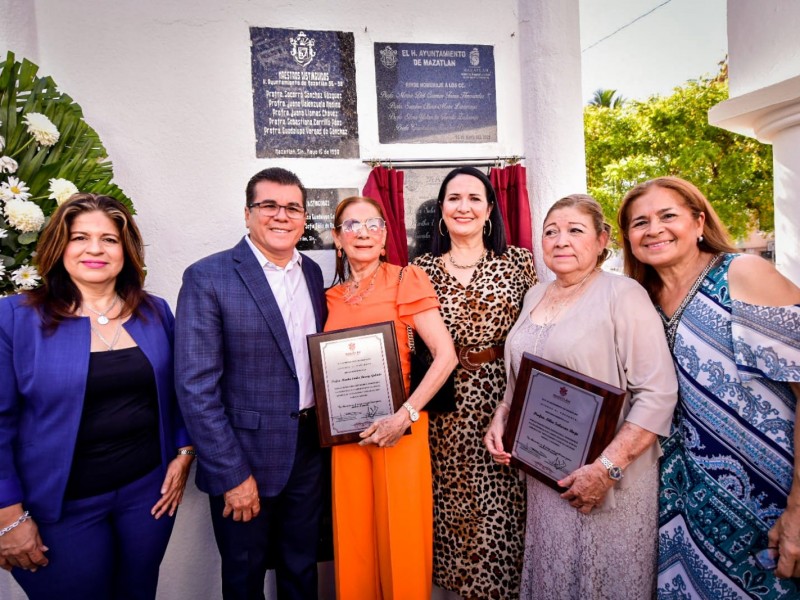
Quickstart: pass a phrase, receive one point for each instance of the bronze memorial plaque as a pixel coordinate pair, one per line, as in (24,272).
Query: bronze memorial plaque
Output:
(560,420)
(357,379)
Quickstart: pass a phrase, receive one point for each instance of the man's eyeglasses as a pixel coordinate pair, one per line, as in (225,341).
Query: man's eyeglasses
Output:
(270,208)
(373,225)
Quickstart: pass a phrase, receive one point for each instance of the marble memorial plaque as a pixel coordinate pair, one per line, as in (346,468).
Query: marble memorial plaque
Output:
(421,187)
(320,206)
(304,93)
(435,93)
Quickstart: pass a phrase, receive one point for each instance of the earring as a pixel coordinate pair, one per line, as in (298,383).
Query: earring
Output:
(445,232)
(489,223)
(700,239)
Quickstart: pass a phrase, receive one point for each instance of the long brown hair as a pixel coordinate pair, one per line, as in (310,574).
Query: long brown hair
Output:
(592,209)
(342,264)
(58,297)
(715,237)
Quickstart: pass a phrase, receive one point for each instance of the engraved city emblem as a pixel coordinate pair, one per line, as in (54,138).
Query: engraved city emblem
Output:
(563,391)
(474,57)
(302,49)
(389,57)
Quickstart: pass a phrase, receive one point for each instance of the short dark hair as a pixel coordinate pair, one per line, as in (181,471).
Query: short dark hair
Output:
(495,241)
(275,175)
(58,297)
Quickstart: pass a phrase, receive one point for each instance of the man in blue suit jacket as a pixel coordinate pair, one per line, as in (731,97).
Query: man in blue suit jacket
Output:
(244,386)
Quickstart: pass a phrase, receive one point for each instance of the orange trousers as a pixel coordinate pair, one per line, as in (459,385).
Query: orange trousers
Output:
(383,519)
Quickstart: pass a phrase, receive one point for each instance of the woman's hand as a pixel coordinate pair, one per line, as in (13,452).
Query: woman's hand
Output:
(173,486)
(21,547)
(587,487)
(386,432)
(493,440)
(785,536)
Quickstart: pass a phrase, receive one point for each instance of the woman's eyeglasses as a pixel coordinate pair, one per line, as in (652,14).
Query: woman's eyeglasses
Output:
(270,208)
(373,225)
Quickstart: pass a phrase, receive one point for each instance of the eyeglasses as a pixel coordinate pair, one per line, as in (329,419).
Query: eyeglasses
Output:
(373,225)
(270,208)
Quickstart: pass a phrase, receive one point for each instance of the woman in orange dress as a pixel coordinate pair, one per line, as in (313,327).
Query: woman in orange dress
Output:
(382,498)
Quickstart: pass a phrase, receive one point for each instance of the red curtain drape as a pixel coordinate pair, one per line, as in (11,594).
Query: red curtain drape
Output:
(386,187)
(512,198)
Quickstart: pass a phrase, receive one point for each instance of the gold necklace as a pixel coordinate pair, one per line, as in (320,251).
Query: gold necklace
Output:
(471,266)
(351,287)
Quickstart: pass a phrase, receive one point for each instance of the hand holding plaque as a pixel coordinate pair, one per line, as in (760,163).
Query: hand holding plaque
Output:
(560,420)
(357,380)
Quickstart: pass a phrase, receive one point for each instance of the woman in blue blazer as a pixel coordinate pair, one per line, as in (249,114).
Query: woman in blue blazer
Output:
(94,455)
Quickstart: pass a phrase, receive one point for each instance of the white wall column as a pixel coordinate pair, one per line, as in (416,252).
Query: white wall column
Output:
(772,115)
(550,65)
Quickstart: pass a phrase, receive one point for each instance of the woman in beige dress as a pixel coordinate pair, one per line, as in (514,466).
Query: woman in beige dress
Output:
(598,538)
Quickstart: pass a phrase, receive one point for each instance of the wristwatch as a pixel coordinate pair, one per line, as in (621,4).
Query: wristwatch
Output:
(614,472)
(412,412)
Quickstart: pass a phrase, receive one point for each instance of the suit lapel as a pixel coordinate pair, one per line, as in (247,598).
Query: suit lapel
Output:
(256,282)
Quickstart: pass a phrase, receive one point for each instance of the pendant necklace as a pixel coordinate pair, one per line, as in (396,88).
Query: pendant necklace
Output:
(553,309)
(117,331)
(351,297)
(470,266)
(101,315)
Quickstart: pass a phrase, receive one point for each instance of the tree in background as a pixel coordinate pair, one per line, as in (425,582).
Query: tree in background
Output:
(633,141)
(607,98)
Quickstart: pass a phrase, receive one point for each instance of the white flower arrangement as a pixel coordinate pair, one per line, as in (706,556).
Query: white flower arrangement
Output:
(47,154)
(24,216)
(61,190)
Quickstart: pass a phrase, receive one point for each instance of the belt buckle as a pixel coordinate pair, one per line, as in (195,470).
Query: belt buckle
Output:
(464,361)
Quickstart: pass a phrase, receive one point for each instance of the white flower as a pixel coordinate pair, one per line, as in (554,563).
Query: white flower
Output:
(25,277)
(3,233)
(41,128)
(2,142)
(62,189)
(8,164)
(14,189)
(24,216)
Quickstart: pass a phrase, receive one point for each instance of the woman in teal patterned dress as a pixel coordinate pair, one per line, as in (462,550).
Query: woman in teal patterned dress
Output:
(730,486)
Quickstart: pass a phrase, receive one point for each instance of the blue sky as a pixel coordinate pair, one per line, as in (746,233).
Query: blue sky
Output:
(679,40)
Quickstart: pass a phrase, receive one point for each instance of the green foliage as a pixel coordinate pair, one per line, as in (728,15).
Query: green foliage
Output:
(78,155)
(670,135)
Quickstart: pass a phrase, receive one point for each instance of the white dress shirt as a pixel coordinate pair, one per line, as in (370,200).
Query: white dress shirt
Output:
(294,301)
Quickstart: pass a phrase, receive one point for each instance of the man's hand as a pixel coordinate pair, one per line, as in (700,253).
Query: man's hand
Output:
(242,501)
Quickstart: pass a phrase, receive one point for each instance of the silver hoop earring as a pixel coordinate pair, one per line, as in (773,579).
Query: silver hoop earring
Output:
(445,232)
(489,223)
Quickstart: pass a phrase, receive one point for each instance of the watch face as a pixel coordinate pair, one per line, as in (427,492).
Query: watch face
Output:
(615,473)
(414,416)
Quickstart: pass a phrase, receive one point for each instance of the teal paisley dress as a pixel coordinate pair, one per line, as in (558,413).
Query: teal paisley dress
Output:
(728,464)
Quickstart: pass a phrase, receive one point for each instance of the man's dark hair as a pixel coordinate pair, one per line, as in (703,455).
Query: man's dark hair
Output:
(275,175)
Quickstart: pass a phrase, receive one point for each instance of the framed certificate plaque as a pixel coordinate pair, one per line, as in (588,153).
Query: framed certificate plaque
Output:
(560,419)
(357,379)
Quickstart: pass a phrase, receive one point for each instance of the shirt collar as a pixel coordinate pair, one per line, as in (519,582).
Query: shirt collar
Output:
(267,264)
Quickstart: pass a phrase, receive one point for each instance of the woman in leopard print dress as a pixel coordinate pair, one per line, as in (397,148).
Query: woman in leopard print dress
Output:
(479,506)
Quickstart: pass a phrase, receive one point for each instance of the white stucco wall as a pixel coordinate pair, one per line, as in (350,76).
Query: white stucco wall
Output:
(763,47)
(168,87)
(764,103)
